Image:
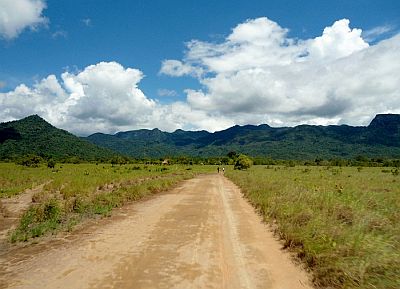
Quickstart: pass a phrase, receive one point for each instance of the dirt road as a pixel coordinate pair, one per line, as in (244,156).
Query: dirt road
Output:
(202,234)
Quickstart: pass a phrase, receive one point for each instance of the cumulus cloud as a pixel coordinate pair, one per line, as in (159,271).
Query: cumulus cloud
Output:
(102,97)
(17,15)
(337,41)
(258,74)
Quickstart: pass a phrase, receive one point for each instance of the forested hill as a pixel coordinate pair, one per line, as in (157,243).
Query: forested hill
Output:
(380,139)
(33,135)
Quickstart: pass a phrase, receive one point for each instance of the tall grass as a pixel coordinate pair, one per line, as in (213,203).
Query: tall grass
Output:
(75,192)
(343,222)
(15,179)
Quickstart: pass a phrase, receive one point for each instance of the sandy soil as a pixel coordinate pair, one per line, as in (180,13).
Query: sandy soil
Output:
(202,234)
(12,208)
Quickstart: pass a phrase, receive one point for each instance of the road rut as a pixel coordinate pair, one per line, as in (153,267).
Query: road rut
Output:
(202,234)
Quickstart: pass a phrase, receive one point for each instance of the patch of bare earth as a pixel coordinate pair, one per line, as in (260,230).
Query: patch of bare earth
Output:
(202,234)
(11,210)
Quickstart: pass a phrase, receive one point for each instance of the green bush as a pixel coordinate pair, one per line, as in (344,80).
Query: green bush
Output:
(38,220)
(51,164)
(30,161)
(243,162)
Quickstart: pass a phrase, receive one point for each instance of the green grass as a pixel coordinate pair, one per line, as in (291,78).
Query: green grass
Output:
(343,222)
(73,192)
(15,179)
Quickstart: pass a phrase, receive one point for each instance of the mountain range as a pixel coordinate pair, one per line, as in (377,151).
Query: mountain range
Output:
(33,135)
(381,138)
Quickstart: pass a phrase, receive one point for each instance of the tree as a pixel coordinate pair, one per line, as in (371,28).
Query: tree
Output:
(51,164)
(243,162)
(232,155)
(30,161)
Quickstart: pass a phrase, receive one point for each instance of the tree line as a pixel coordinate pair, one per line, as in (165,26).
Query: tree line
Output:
(238,160)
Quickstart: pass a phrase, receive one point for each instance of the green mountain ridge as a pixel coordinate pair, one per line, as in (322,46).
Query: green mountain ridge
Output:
(380,139)
(33,135)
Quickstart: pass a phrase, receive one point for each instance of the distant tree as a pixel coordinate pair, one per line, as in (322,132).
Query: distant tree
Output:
(318,161)
(114,161)
(232,154)
(243,162)
(30,161)
(361,158)
(122,161)
(51,164)
(225,161)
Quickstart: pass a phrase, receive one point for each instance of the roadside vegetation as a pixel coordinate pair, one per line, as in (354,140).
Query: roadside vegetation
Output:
(339,216)
(342,221)
(73,192)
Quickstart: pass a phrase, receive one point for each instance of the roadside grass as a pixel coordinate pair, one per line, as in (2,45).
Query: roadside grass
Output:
(342,221)
(15,179)
(74,192)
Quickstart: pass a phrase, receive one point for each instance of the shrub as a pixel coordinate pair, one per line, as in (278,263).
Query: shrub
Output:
(51,164)
(243,162)
(30,161)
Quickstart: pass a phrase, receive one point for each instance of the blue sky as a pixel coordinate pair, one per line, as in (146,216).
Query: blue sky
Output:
(69,36)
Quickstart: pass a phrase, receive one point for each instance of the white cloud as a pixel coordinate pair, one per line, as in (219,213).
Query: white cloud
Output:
(337,41)
(177,68)
(108,91)
(17,15)
(103,97)
(166,92)
(376,32)
(179,115)
(259,75)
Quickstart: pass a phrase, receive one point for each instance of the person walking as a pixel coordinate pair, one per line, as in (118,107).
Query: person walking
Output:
(218,170)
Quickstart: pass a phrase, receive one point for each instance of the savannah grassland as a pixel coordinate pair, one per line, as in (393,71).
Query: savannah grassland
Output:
(342,221)
(74,192)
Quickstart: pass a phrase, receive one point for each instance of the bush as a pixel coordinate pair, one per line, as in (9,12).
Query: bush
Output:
(243,162)
(51,164)
(30,161)
(38,220)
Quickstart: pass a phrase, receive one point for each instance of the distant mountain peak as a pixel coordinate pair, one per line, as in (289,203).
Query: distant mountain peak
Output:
(34,135)
(34,116)
(385,119)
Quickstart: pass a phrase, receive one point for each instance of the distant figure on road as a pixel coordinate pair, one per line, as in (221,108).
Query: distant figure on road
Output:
(223,170)
(218,169)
